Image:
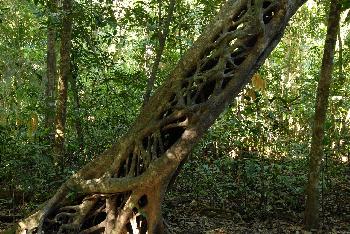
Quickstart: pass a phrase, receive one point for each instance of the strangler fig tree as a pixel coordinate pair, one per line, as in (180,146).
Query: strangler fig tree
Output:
(121,191)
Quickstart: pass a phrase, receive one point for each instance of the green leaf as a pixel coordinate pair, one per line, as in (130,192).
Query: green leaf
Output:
(345,5)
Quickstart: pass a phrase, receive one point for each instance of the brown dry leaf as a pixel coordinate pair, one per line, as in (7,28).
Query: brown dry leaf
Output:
(251,94)
(32,124)
(258,82)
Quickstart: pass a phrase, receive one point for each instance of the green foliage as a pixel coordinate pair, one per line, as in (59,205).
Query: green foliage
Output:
(246,184)
(255,156)
(345,4)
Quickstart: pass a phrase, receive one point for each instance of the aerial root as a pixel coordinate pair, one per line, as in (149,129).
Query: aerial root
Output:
(71,218)
(38,219)
(94,229)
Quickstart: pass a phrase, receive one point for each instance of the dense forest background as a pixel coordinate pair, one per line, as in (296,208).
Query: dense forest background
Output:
(251,167)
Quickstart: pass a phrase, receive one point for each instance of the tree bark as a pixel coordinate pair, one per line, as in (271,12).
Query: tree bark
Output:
(323,89)
(162,36)
(65,75)
(76,104)
(51,70)
(341,72)
(122,190)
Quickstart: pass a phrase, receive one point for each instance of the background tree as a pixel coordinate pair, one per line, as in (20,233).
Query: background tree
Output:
(62,86)
(323,90)
(163,31)
(51,70)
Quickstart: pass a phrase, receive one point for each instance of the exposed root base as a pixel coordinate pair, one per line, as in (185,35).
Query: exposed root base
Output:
(137,212)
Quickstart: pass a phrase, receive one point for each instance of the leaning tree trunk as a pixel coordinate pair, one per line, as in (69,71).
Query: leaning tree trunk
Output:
(316,152)
(122,190)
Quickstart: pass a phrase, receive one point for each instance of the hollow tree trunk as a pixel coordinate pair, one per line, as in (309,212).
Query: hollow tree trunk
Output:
(316,152)
(65,74)
(122,190)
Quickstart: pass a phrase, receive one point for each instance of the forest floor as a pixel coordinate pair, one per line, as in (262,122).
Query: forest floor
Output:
(187,215)
(219,210)
(195,217)
(210,220)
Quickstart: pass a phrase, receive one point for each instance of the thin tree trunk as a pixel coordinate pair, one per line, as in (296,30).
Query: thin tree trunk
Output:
(316,152)
(162,36)
(76,104)
(341,72)
(65,75)
(51,70)
(122,190)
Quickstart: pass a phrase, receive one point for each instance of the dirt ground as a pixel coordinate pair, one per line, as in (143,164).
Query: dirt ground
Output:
(196,217)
